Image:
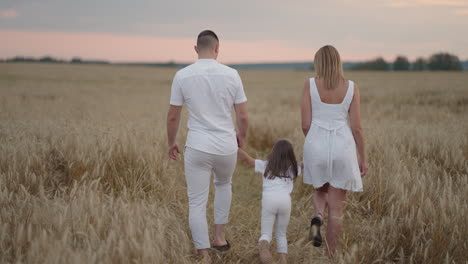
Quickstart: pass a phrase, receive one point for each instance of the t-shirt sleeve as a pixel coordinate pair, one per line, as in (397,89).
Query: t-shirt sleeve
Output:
(260,166)
(240,94)
(177,98)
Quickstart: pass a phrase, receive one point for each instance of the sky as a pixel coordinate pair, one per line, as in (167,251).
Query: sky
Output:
(249,30)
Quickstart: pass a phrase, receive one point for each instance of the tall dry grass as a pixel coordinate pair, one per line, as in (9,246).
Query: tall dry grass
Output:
(84,177)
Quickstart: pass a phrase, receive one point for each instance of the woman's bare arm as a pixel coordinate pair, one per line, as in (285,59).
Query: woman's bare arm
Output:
(306,108)
(355,120)
(245,157)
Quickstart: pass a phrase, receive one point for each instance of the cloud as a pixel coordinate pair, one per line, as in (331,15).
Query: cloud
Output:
(462,12)
(410,27)
(452,3)
(418,3)
(8,13)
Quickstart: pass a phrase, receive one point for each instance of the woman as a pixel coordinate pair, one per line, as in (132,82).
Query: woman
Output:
(332,125)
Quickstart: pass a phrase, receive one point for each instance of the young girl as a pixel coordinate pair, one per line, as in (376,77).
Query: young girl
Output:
(279,173)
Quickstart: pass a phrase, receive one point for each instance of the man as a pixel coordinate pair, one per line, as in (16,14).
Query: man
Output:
(209,90)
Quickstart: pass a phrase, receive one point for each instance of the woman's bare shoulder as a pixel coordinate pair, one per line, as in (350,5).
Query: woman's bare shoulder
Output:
(349,81)
(356,87)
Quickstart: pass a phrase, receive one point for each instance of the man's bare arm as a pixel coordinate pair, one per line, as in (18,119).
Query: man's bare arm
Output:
(173,120)
(242,121)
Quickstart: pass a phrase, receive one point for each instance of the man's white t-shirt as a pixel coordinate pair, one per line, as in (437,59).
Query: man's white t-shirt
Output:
(210,90)
(276,185)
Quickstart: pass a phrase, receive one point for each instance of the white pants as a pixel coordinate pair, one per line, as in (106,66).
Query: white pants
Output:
(276,206)
(198,168)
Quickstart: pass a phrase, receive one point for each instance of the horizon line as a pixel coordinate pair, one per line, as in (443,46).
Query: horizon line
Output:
(162,62)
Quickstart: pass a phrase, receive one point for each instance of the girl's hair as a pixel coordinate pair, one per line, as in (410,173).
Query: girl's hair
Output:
(281,161)
(328,66)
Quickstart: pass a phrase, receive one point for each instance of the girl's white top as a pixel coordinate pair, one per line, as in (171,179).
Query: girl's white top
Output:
(277,184)
(329,148)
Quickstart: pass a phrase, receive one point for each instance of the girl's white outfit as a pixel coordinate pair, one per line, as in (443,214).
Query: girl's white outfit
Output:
(276,205)
(329,148)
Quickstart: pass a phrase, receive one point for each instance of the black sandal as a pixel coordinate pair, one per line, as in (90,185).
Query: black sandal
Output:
(224,247)
(314,233)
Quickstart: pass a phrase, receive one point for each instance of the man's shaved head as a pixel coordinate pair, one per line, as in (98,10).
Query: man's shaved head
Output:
(207,39)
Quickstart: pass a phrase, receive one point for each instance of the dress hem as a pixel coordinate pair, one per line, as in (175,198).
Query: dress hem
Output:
(334,186)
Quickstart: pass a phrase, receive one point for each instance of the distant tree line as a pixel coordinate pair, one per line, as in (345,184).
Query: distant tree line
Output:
(78,60)
(437,62)
(49,59)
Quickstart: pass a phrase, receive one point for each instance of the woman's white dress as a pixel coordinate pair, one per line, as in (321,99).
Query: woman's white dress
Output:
(329,148)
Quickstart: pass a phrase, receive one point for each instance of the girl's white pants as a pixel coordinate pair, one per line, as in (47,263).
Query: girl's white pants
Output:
(276,206)
(198,167)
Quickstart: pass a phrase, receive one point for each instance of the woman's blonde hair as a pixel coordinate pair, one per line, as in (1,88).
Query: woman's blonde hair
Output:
(328,66)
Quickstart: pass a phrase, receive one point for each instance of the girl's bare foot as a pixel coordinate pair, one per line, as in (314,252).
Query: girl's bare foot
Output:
(264,251)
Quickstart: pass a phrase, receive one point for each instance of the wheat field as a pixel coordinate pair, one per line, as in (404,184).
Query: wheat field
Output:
(84,176)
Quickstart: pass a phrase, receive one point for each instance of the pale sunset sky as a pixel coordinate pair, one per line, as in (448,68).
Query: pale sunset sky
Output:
(249,30)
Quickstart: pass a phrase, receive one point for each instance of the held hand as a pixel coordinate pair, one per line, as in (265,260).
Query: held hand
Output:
(172,151)
(363,168)
(241,154)
(245,157)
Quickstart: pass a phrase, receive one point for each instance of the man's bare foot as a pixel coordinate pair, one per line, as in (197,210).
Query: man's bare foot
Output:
(224,247)
(204,256)
(219,238)
(264,251)
(205,260)
(219,243)
(283,258)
